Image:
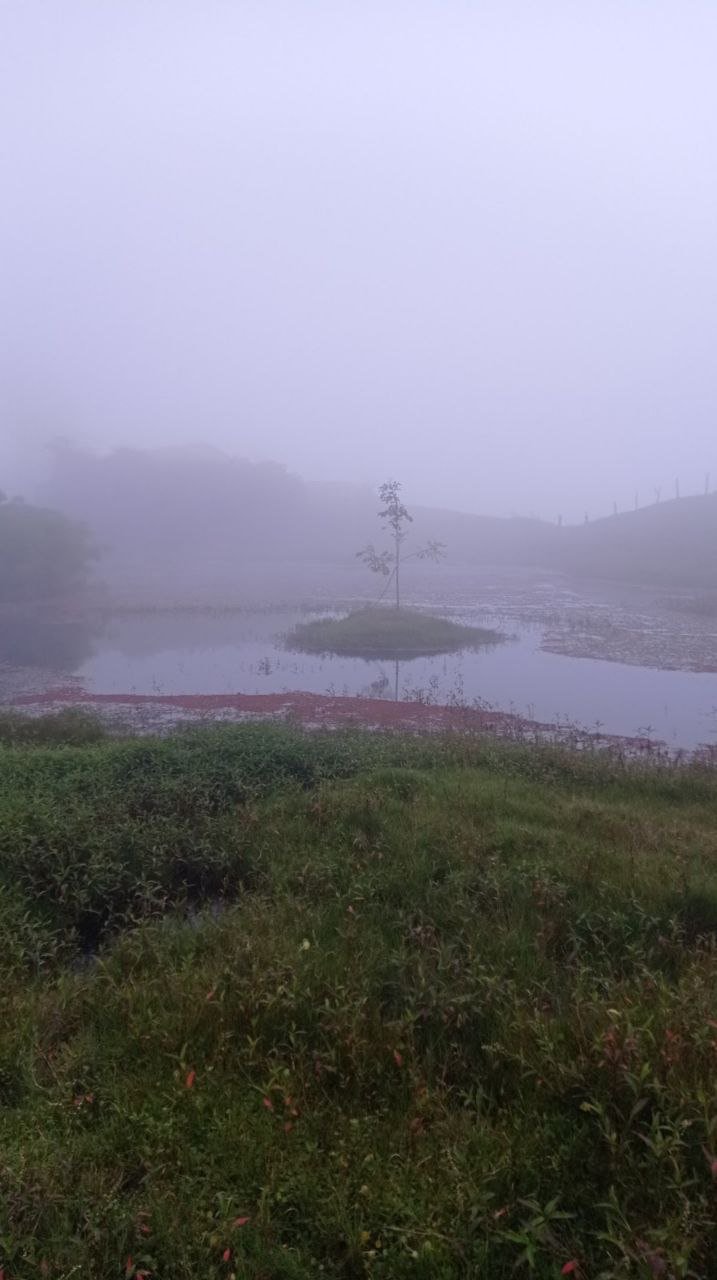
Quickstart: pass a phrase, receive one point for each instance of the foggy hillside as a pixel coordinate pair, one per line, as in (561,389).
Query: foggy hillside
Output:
(170,504)
(202,514)
(671,542)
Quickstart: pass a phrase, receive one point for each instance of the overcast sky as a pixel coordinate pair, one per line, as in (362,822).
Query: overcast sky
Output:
(471,245)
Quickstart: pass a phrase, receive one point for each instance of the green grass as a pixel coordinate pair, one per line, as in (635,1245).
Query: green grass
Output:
(282,1006)
(385,632)
(71,727)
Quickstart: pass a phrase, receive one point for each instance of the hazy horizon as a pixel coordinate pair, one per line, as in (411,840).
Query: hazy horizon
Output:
(469,245)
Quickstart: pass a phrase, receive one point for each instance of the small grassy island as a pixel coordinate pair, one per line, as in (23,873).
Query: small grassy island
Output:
(382,632)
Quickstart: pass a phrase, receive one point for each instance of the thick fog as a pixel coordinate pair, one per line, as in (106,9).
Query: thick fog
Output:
(467,244)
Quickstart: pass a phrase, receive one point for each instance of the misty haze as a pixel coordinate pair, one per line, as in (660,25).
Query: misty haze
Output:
(358,639)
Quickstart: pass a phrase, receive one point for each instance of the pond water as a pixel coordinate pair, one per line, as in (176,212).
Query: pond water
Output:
(243,652)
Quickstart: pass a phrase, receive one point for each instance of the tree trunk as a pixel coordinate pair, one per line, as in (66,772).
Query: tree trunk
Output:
(398,567)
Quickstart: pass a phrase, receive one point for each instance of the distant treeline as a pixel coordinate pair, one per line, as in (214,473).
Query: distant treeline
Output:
(194,507)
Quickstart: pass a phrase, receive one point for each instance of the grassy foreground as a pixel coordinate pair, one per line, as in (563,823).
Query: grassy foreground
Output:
(380,631)
(279,1007)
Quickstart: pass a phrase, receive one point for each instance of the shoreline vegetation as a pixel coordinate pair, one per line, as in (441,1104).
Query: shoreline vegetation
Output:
(385,632)
(280,1004)
(54,711)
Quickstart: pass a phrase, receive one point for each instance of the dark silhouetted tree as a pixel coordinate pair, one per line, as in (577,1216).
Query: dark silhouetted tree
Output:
(43,555)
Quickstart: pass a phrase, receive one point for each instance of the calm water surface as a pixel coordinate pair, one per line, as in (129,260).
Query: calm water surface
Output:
(244,653)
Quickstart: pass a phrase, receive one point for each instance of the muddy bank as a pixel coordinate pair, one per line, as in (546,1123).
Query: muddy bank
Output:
(148,714)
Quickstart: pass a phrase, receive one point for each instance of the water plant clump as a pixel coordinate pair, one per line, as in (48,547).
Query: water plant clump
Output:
(379,631)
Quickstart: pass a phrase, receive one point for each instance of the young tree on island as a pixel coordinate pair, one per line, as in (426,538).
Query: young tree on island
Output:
(396,518)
